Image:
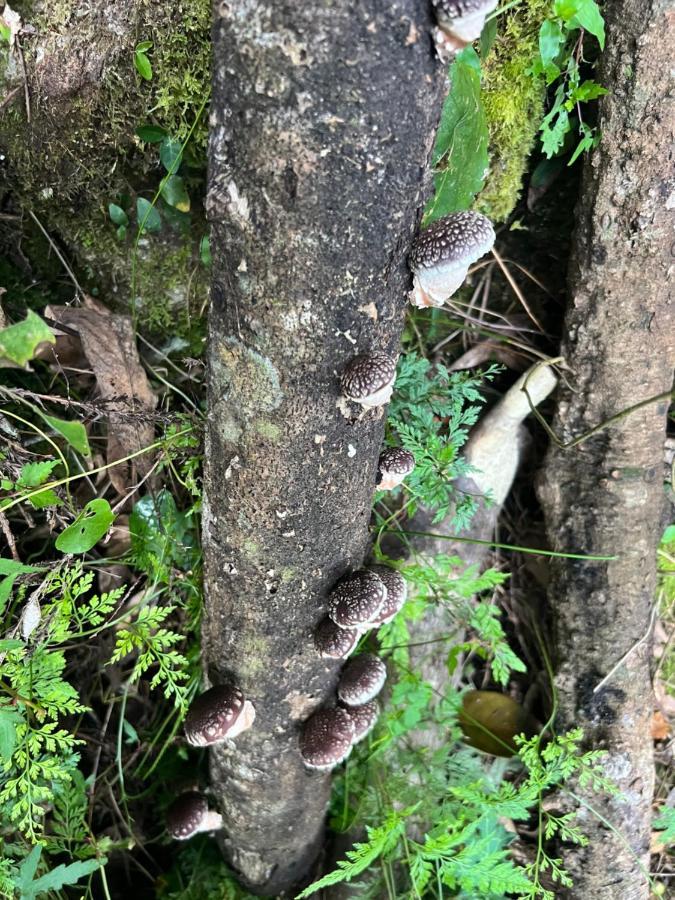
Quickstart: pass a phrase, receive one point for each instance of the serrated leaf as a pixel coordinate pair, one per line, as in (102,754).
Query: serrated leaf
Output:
(117,214)
(551,39)
(151,134)
(19,342)
(34,474)
(170,154)
(74,432)
(87,529)
(175,193)
(460,152)
(149,219)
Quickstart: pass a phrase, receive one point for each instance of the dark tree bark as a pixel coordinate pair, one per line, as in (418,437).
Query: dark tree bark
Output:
(605,495)
(322,122)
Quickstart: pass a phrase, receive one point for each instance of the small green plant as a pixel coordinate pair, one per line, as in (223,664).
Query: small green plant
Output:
(561,54)
(141,61)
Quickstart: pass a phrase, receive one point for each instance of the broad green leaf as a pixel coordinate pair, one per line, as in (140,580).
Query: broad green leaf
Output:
(170,153)
(175,193)
(19,342)
(117,214)
(587,90)
(487,37)
(7,644)
(143,46)
(10,717)
(53,880)
(11,569)
(28,868)
(151,134)
(87,529)
(551,39)
(582,14)
(148,216)
(74,432)
(553,130)
(121,232)
(34,474)
(142,64)
(460,153)
(161,536)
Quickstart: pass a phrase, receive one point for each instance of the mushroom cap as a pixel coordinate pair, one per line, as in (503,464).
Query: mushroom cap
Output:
(186,814)
(356,599)
(332,641)
(361,680)
(393,466)
(215,715)
(460,238)
(364,718)
(368,378)
(457,9)
(326,738)
(397,594)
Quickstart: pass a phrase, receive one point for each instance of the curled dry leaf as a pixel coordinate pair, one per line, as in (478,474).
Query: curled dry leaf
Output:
(109,343)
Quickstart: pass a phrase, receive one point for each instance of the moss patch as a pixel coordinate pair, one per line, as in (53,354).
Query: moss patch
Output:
(514,104)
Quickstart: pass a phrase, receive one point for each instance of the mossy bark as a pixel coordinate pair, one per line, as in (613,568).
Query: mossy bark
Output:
(605,495)
(71,149)
(322,122)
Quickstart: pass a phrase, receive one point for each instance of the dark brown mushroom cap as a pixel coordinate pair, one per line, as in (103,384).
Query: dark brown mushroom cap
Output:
(326,738)
(361,680)
(457,9)
(460,238)
(366,374)
(186,814)
(364,718)
(332,641)
(397,461)
(356,599)
(397,594)
(213,714)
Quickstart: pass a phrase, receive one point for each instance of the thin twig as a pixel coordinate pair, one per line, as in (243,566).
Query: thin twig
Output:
(56,250)
(628,652)
(516,290)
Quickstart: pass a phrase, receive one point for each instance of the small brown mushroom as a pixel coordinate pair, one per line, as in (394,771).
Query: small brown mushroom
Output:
(217,715)
(369,378)
(326,739)
(361,680)
(393,466)
(356,599)
(189,814)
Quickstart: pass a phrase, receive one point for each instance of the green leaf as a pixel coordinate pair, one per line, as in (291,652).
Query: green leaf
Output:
(205,250)
(34,474)
(10,717)
(54,880)
(487,37)
(582,14)
(161,536)
(151,134)
(170,154)
(117,214)
(19,342)
(551,39)
(460,153)
(121,232)
(11,569)
(141,61)
(149,219)
(175,193)
(74,432)
(87,529)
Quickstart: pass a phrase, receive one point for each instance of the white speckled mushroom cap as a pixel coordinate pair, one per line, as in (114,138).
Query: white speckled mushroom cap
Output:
(217,715)
(189,814)
(326,739)
(397,594)
(458,9)
(356,599)
(334,642)
(369,378)
(361,680)
(461,237)
(364,718)
(393,466)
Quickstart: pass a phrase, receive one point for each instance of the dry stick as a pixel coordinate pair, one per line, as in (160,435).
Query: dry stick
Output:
(7,531)
(516,290)
(666,395)
(8,99)
(628,652)
(56,250)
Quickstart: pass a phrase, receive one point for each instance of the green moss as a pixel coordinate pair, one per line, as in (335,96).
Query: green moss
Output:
(513,101)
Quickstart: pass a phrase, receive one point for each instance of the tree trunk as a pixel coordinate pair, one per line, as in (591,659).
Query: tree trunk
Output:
(323,118)
(604,496)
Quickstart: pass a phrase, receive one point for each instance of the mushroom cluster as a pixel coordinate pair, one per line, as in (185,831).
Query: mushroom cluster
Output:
(441,255)
(360,601)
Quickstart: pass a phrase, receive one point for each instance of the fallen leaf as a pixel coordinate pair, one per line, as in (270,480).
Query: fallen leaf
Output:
(13,21)
(109,343)
(660,726)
